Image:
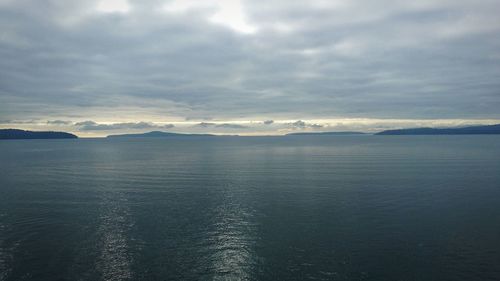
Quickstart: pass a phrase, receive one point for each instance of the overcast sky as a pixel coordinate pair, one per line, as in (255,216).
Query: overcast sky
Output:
(247,67)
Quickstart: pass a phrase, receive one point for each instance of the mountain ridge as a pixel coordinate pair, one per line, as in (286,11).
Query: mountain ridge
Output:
(469,130)
(345,133)
(158,134)
(13,134)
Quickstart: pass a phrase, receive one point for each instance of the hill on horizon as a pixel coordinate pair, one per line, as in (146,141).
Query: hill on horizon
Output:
(470,130)
(7,134)
(345,133)
(158,134)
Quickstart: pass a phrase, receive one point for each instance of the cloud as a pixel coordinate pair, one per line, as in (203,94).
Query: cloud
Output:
(59,122)
(86,123)
(19,121)
(303,125)
(221,125)
(205,124)
(94,126)
(231,126)
(243,60)
(298,124)
(315,126)
(191,118)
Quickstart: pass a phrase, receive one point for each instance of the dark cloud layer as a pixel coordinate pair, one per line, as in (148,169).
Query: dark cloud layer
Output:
(285,60)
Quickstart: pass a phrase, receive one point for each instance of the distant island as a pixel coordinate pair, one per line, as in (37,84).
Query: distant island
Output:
(158,134)
(472,130)
(9,134)
(326,133)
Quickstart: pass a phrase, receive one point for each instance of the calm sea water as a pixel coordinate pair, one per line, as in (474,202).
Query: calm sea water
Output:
(242,208)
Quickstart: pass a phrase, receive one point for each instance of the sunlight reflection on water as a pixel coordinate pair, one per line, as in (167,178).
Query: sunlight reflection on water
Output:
(114,261)
(232,242)
(4,253)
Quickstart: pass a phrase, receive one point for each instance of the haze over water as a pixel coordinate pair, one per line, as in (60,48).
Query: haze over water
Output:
(243,208)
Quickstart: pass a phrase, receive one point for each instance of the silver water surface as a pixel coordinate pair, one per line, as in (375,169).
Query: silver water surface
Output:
(263,208)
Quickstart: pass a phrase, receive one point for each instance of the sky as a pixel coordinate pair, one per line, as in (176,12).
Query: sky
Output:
(270,67)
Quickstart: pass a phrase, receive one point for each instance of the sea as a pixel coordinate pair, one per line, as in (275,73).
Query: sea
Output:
(402,208)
